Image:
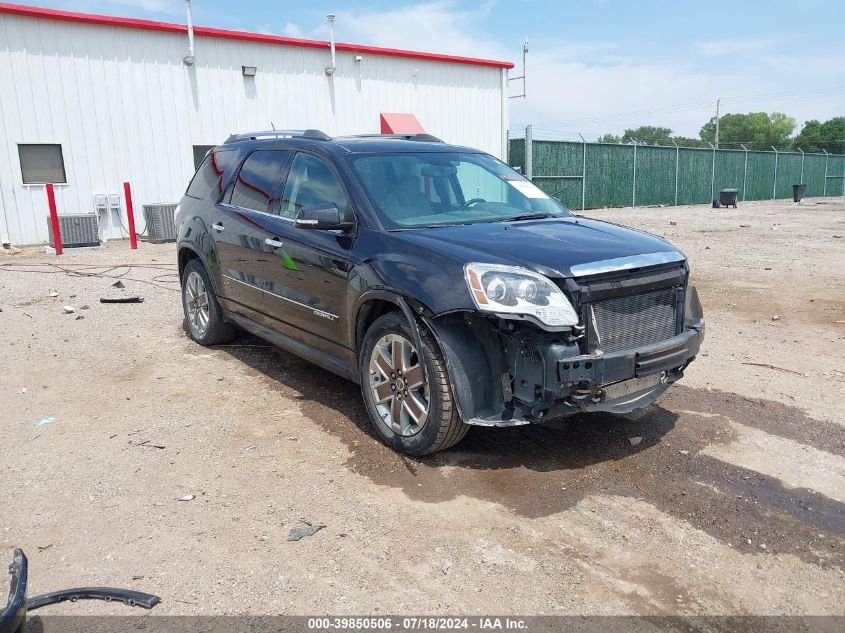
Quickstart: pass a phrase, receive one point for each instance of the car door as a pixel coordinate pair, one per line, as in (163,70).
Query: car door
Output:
(241,233)
(308,287)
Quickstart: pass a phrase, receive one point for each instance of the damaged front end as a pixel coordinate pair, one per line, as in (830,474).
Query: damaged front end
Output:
(638,328)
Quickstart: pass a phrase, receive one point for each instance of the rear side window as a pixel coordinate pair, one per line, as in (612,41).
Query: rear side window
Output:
(210,175)
(259,180)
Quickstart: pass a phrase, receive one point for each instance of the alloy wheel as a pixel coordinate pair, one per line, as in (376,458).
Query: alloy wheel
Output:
(196,303)
(398,385)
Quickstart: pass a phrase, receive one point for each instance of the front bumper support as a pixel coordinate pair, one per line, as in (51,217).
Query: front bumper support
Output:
(644,361)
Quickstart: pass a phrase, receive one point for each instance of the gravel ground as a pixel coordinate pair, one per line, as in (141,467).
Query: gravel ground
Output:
(731,503)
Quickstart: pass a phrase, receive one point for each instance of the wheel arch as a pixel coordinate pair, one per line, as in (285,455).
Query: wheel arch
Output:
(474,368)
(373,304)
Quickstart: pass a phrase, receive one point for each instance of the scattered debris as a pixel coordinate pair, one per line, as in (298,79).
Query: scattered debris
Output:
(635,440)
(44,548)
(79,317)
(302,532)
(776,318)
(46,421)
(146,444)
(683,452)
(768,366)
(132,299)
(744,226)
(446,567)
(673,223)
(186,498)
(22,391)
(118,284)
(54,293)
(69,309)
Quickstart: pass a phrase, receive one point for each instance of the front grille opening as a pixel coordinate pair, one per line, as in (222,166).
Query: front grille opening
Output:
(624,323)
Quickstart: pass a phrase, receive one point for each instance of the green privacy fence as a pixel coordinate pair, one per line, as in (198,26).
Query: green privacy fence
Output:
(594,175)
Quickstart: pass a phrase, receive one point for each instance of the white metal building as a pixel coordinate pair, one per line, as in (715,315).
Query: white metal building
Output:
(90,101)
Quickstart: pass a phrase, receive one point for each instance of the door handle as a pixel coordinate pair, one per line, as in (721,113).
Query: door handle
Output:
(218,227)
(274,243)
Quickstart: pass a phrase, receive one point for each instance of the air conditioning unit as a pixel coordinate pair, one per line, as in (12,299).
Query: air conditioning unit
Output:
(77,229)
(160,224)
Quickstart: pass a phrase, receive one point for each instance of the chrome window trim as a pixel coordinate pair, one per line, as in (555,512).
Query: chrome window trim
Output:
(625,263)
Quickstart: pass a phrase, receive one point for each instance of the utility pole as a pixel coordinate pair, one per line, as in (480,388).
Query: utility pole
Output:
(524,74)
(717,123)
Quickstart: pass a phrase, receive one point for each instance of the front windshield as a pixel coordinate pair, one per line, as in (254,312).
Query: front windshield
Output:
(435,189)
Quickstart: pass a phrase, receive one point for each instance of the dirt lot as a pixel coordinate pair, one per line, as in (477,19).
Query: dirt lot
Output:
(733,502)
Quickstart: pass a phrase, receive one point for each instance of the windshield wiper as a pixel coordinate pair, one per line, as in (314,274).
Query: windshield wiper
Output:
(526,216)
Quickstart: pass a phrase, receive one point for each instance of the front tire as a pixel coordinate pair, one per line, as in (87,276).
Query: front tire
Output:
(204,321)
(413,410)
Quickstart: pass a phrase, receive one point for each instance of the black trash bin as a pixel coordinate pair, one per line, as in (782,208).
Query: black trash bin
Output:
(798,192)
(727,197)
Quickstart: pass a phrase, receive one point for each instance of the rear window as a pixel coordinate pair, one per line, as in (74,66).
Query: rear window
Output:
(210,174)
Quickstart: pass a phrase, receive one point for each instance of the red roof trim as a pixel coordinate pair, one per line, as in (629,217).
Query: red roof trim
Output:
(205,31)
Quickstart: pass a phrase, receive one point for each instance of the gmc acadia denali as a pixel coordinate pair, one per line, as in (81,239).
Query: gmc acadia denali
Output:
(451,288)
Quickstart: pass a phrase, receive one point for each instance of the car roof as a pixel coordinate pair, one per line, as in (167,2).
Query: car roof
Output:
(360,144)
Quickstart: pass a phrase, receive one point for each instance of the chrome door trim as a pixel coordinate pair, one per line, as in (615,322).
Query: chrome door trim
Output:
(316,311)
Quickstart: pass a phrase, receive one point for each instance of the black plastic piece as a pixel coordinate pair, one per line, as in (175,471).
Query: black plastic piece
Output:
(13,616)
(126,596)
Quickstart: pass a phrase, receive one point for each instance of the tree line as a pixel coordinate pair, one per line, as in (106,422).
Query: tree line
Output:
(755,130)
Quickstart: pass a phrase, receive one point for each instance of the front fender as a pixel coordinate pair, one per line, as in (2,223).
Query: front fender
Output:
(437,284)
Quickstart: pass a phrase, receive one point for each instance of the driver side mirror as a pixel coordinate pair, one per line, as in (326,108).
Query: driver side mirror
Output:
(325,217)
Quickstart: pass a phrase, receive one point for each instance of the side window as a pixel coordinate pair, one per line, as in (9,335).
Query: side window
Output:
(210,173)
(311,182)
(257,184)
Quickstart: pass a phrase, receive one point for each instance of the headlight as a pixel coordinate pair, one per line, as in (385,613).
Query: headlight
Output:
(514,290)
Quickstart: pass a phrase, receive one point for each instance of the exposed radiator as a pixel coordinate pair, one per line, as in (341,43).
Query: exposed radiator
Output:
(77,229)
(624,323)
(159,222)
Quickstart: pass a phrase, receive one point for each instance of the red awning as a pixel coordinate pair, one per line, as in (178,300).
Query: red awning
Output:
(400,123)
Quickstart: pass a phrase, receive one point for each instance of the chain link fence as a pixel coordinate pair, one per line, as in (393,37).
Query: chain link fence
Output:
(595,175)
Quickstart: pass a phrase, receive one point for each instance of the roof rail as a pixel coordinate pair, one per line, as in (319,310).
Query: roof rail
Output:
(421,138)
(252,136)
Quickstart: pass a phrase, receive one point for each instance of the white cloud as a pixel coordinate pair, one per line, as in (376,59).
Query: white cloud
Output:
(437,26)
(292,30)
(733,46)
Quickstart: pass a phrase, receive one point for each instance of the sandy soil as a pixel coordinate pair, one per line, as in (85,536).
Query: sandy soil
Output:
(732,503)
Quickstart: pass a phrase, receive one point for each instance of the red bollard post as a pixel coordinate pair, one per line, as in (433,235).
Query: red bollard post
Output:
(54,219)
(130,216)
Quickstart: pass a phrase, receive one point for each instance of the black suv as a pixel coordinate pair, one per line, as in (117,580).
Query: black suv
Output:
(451,288)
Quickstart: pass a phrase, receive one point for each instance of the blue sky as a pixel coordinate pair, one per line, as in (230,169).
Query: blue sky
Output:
(595,65)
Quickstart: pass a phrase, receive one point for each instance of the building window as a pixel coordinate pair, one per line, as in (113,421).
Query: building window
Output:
(199,153)
(42,163)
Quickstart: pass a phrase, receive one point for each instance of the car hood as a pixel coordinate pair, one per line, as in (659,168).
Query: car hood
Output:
(549,246)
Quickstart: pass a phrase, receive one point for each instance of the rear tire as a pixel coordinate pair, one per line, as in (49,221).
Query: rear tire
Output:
(396,391)
(204,320)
